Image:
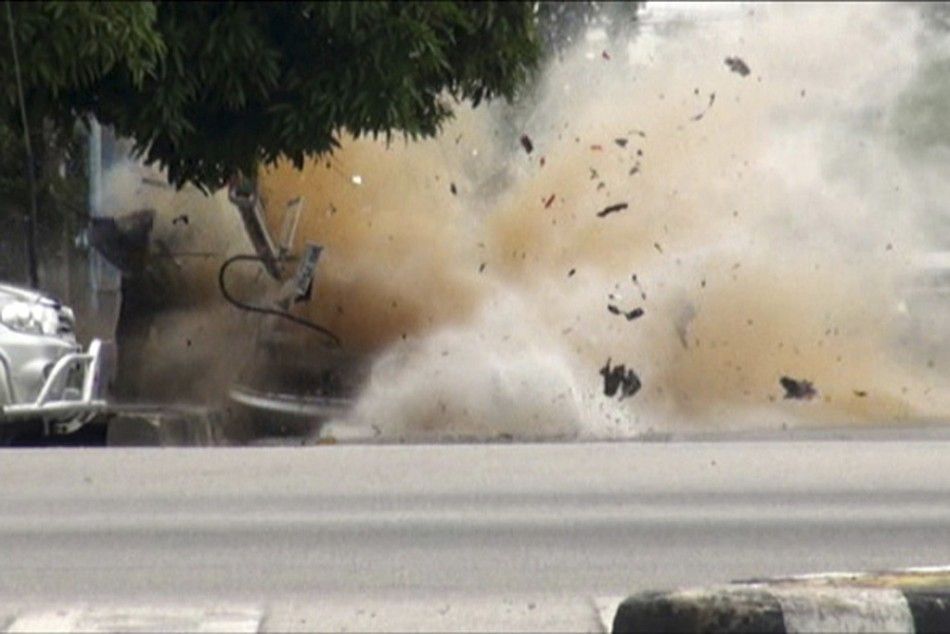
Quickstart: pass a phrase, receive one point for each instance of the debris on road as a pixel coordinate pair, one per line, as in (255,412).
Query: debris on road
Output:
(605,55)
(619,378)
(798,389)
(860,393)
(571,272)
(620,141)
(453,189)
(526,143)
(549,201)
(181,219)
(611,209)
(738,66)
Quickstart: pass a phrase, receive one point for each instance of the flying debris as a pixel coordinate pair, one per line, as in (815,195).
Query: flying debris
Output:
(636,313)
(738,66)
(526,143)
(611,209)
(619,378)
(798,389)
(712,100)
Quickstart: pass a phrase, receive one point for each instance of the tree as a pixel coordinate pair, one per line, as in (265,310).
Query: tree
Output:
(211,89)
(220,87)
(54,48)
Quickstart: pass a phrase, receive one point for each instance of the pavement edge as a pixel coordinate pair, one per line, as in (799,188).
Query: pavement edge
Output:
(910,600)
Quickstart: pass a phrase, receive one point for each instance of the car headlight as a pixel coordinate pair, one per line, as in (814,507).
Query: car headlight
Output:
(30,318)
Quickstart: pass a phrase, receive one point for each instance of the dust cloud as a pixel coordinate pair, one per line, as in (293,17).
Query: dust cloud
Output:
(772,224)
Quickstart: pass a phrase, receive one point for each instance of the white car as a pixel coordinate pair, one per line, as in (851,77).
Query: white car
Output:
(47,381)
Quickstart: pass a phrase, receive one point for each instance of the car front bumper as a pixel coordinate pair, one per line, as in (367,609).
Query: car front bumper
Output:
(56,400)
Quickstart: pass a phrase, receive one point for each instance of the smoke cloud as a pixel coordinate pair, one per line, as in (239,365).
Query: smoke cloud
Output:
(772,223)
(773,219)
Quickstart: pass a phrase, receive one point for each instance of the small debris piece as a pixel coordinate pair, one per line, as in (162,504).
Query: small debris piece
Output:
(619,378)
(612,209)
(634,170)
(526,143)
(622,142)
(357,179)
(571,272)
(860,393)
(636,313)
(605,55)
(737,65)
(656,245)
(182,219)
(481,268)
(593,173)
(596,147)
(542,161)
(798,389)
(453,189)
(549,201)
(712,100)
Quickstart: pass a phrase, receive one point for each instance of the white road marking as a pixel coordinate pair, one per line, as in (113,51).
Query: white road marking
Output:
(844,609)
(138,619)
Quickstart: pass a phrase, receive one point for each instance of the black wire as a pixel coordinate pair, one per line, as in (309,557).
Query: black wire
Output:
(267,311)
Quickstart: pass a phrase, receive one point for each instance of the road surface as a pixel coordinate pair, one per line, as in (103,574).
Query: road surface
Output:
(460,536)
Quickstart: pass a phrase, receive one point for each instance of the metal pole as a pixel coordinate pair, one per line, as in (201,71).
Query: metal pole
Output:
(32,260)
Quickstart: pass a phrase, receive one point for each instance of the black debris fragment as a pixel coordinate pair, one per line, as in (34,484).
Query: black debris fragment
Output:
(630,315)
(453,189)
(612,209)
(798,389)
(571,272)
(737,65)
(659,249)
(549,201)
(634,170)
(481,268)
(622,142)
(636,313)
(180,220)
(526,143)
(712,100)
(619,378)
(860,393)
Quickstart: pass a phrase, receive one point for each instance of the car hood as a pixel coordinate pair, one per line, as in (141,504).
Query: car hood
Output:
(10,293)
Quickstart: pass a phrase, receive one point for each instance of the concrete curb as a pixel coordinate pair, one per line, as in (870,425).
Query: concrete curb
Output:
(911,600)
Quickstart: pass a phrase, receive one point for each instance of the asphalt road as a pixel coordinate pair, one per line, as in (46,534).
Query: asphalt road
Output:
(322,537)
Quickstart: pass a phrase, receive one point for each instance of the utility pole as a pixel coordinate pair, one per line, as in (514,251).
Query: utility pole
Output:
(30,219)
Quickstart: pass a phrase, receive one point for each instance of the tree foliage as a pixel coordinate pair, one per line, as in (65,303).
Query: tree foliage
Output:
(210,88)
